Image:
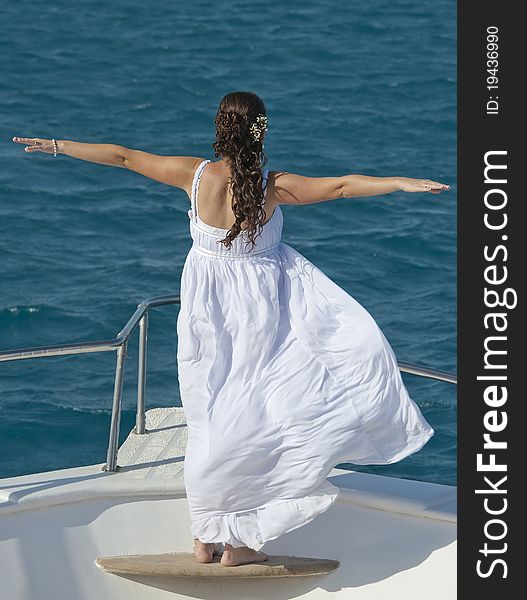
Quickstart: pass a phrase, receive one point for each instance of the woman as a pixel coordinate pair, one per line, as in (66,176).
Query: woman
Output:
(283,374)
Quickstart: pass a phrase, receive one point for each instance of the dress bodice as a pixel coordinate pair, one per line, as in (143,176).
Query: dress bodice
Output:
(206,237)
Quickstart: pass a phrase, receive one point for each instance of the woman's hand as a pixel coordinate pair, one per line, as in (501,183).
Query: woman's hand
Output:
(422,185)
(35,144)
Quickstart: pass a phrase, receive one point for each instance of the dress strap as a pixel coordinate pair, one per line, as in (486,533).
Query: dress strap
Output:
(266,179)
(194,192)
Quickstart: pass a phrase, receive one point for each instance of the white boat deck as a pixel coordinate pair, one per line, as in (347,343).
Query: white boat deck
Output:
(394,538)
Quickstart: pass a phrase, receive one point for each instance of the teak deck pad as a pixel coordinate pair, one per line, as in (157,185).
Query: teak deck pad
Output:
(184,564)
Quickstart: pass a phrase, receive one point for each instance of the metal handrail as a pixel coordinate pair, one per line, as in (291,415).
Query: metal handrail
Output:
(120,344)
(427,372)
(98,346)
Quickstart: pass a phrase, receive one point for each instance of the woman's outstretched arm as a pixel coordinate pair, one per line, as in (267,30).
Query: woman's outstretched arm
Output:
(177,171)
(112,155)
(289,188)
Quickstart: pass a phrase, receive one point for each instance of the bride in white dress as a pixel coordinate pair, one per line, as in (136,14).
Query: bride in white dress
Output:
(282,373)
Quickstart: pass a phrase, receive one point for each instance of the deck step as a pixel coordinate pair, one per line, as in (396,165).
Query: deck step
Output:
(184,564)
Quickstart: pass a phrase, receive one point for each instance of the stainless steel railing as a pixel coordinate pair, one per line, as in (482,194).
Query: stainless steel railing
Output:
(427,372)
(120,344)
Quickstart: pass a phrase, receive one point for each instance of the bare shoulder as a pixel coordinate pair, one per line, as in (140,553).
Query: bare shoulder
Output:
(177,171)
(285,187)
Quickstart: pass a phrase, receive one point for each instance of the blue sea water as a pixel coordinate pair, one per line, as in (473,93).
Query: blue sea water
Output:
(363,87)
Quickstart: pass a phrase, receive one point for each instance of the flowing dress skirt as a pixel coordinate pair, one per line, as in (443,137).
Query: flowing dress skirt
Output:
(282,375)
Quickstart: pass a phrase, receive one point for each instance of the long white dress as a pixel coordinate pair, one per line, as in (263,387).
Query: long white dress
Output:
(282,376)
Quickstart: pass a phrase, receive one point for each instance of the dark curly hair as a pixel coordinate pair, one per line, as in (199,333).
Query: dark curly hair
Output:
(234,141)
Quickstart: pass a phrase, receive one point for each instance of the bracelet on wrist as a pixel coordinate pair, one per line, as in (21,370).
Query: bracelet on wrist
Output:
(55,148)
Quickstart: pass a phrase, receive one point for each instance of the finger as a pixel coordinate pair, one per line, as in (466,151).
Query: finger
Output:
(25,140)
(32,141)
(436,184)
(21,140)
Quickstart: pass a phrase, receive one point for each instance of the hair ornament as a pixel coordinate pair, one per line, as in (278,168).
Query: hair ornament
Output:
(258,127)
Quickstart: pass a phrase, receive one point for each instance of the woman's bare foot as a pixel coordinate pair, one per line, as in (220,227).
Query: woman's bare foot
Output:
(241,556)
(203,552)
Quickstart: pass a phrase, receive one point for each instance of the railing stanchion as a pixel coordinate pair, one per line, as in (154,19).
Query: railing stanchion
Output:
(113,443)
(141,374)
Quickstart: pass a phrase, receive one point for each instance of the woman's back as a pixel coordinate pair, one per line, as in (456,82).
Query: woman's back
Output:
(207,237)
(214,201)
